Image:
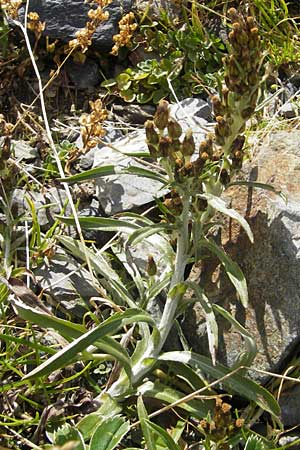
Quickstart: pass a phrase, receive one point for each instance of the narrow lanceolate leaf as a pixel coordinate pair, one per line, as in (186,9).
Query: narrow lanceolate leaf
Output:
(245,358)
(219,205)
(163,434)
(109,326)
(111,279)
(109,434)
(64,327)
(145,232)
(232,269)
(256,184)
(234,382)
(100,223)
(98,261)
(160,391)
(147,432)
(105,171)
(211,323)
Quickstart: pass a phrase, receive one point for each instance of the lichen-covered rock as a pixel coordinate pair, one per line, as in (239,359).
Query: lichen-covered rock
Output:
(64,18)
(271,265)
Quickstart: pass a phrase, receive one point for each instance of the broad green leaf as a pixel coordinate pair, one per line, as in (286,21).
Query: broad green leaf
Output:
(197,408)
(163,434)
(145,173)
(246,358)
(234,382)
(128,95)
(143,97)
(256,184)
(109,83)
(100,223)
(109,434)
(105,171)
(219,205)
(147,433)
(109,326)
(145,232)
(124,81)
(232,269)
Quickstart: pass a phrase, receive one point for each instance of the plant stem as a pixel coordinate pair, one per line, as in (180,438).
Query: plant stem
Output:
(143,366)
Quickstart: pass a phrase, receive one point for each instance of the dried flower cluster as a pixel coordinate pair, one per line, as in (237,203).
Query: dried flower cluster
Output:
(127,26)
(84,37)
(91,125)
(221,153)
(35,25)
(11,7)
(239,96)
(221,426)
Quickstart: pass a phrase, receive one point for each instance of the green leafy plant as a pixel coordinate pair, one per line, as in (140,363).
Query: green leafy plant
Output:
(188,57)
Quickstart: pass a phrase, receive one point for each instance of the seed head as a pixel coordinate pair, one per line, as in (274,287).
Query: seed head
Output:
(161,116)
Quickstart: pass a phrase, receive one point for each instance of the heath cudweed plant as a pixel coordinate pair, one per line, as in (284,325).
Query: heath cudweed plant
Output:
(196,179)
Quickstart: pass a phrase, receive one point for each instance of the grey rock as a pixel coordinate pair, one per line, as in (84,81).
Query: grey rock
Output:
(83,76)
(122,192)
(290,89)
(288,110)
(155,6)
(66,282)
(134,114)
(24,152)
(64,18)
(46,204)
(289,402)
(271,265)
(192,111)
(112,133)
